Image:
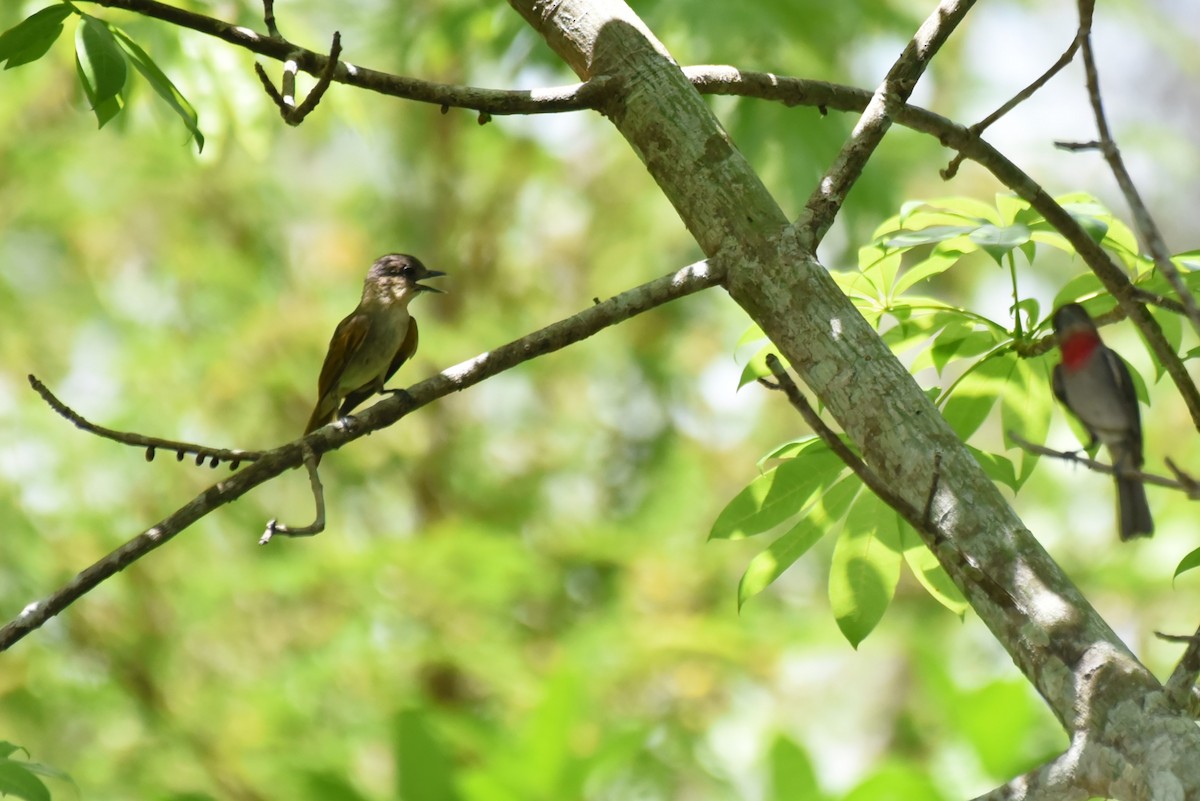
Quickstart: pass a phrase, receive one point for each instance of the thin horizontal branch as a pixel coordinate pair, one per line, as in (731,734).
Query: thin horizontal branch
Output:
(556,336)
(575,97)
(203,453)
(1183,482)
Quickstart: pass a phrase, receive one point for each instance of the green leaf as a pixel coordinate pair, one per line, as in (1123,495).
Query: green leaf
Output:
(906,238)
(1081,286)
(104,110)
(1012,208)
(865,568)
(896,781)
(757,368)
(778,494)
(16,779)
(998,241)
(781,554)
(916,326)
(31,38)
(974,395)
(1026,407)
(161,84)
(101,62)
(792,774)
(1189,562)
(958,341)
(938,261)
(929,572)
(423,768)
(1090,217)
(997,467)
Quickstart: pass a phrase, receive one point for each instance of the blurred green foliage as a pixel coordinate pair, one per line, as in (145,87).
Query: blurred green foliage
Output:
(513,599)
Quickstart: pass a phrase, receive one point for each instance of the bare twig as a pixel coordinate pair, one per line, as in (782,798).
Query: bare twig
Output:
(318,525)
(827,199)
(269,18)
(203,453)
(1181,685)
(270,464)
(323,81)
(285,98)
(1184,483)
(1143,221)
(576,97)
(1020,97)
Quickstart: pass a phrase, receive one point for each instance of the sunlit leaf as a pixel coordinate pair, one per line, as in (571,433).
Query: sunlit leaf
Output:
(781,554)
(996,466)
(1187,563)
(929,573)
(974,395)
(937,262)
(756,367)
(424,768)
(907,238)
(865,568)
(1083,285)
(1026,407)
(792,773)
(778,494)
(895,781)
(161,84)
(998,241)
(1012,208)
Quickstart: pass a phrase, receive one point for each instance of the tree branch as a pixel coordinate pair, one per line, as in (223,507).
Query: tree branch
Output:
(1182,482)
(556,336)
(576,97)
(1054,781)
(830,193)
(793,91)
(1147,229)
(203,453)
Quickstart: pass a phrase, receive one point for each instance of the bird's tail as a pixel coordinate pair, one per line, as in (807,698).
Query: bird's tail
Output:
(1133,509)
(322,414)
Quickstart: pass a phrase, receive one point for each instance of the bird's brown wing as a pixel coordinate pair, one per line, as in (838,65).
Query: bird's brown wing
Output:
(407,348)
(347,338)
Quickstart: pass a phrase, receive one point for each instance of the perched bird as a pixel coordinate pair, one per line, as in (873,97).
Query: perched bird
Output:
(1095,385)
(374,340)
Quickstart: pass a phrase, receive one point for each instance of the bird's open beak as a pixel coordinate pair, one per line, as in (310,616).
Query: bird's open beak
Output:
(430,274)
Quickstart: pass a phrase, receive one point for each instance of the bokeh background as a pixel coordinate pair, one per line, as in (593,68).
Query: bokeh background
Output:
(514,598)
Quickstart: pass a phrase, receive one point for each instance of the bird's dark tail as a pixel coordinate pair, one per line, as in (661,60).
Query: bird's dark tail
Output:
(1133,510)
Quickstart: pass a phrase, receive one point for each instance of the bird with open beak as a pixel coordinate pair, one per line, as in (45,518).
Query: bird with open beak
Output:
(369,346)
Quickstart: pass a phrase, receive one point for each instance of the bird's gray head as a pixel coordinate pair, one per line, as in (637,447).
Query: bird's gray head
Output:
(399,274)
